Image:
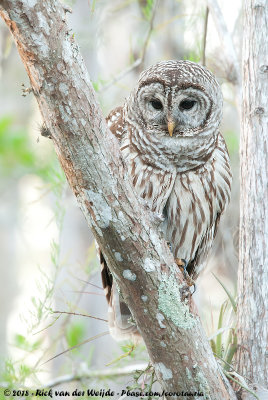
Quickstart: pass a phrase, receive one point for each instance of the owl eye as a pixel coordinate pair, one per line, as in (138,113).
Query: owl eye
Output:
(187,104)
(157,105)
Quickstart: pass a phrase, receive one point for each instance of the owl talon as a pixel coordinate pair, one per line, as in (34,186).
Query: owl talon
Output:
(182,264)
(170,246)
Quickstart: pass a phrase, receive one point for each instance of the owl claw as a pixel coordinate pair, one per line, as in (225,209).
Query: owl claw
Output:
(170,246)
(182,264)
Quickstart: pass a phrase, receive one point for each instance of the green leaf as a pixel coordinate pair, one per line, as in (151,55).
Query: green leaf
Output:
(231,298)
(219,336)
(213,345)
(231,349)
(147,10)
(75,333)
(24,344)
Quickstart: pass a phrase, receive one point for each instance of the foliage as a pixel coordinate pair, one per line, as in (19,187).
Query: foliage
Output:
(225,344)
(147,9)
(144,381)
(15,152)
(75,333)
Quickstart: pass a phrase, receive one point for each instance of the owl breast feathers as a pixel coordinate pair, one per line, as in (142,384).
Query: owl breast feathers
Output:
(178,163)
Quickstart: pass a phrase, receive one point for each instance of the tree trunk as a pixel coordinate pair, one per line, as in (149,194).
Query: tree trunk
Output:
(125,230)
(252,355)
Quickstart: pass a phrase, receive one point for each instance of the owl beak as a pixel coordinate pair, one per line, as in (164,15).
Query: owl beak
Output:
(171,126)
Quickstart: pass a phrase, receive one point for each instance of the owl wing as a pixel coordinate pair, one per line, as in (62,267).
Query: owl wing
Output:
(219,179)
(116,124)
(119,316)
(196,265)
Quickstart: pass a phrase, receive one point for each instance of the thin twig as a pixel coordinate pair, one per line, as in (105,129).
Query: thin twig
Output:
(139,61)
(98,374)
(89,283)
(205,37)
(84,292)
(121,75)
(81,315)
(149,32)
(78,345)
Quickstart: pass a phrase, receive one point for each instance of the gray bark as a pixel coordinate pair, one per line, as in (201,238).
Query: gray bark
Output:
(252,355)
(125,230)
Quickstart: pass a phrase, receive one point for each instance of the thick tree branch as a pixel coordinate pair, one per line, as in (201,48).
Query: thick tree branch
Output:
(252,355)
(138,257)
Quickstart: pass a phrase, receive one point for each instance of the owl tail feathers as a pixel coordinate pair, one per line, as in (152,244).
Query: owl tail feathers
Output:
(120,320)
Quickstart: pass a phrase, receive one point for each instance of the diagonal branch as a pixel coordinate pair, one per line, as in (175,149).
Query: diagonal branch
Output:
(233,69)
(96,374)
(90,157)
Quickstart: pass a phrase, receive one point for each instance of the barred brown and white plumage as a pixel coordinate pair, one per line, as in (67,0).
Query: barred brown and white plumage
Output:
(178,163)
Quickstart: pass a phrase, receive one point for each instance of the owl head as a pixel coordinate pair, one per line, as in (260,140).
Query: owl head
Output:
(176,99)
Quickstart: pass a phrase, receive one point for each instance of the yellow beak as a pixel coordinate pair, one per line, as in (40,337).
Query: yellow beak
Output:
(171,126)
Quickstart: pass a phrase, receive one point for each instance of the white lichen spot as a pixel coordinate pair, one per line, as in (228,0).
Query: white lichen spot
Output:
(127,274)
(118,256)
(144,298)
(186,358)
(67,53)
(160,318)
(145,310)
(40,41)
(188,374)
(67,108)
(42,22)
(121,217)
(163,344)
(74,124)
(103,213)
(165,372)
(83,122)
(155,241)
(123,238)
(63,114)
(30,3)
(148,265)
(64,89)
(203,384)
(171,305)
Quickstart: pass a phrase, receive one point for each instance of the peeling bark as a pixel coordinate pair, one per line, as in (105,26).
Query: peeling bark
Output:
(252,355)
(90,157)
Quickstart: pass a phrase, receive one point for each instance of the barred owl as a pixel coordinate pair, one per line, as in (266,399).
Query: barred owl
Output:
(178,162)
